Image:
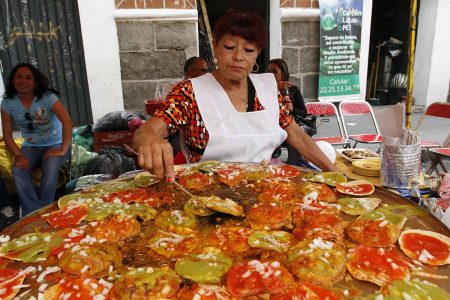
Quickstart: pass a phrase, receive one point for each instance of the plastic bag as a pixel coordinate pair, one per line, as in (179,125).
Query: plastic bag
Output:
(85,130)
(110,161)
(117,120)
(89,181)
(80,158)
(82,136)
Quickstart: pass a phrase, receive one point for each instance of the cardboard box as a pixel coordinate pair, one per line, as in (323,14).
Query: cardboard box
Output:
(114,137)
(151,106)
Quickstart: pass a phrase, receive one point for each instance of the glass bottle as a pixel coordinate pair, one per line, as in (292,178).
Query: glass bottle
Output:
(434,186)
(415,193)
(285,93)
(158,94)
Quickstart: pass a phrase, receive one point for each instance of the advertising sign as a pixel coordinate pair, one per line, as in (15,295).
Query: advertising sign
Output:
(340,45)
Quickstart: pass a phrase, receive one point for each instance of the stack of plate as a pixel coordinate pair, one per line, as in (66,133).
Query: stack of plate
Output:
(367,167)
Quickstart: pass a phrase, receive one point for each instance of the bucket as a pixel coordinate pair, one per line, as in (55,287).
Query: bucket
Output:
(399,164)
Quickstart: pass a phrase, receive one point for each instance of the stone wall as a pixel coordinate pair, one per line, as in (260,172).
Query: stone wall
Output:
(300,49)
(145,4)
(152,52)
(299,3)
(152,55)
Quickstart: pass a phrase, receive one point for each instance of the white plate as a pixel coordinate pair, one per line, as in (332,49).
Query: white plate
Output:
(340,152)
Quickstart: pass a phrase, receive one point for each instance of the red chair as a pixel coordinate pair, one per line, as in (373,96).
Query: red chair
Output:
(434,110)
(327,110)
(437,156)
(359,111)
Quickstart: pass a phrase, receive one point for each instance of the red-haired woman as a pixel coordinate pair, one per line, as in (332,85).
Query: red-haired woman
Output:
(228,114)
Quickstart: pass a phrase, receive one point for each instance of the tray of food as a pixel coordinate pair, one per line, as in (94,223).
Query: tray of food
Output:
(241,231)
(368,167)
(357,154)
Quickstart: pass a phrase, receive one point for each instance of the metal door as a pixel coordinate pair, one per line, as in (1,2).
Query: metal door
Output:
(47,34)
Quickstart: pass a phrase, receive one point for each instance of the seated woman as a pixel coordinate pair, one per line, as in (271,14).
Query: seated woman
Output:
(280,70)
(228,114)
(293,100)
(46,128)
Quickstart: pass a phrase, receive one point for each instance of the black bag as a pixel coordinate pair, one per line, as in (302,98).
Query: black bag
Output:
(117,120)
(110,161)
(308,123)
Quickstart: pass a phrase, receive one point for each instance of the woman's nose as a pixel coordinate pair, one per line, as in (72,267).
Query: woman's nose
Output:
(237,54)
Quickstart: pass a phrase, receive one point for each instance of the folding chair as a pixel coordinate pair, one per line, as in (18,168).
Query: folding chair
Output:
(438,155)
(328,110)
(360,111)
(434,110)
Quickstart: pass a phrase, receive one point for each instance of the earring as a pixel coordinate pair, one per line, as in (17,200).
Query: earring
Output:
(257,68)
(215,62)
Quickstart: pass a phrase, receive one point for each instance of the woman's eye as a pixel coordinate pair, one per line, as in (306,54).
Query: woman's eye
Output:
(228,47)
(250,50)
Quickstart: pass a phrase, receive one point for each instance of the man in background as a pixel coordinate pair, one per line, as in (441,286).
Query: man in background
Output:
(194,67)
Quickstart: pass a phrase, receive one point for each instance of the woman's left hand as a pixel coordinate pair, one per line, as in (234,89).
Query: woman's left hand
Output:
(54,152)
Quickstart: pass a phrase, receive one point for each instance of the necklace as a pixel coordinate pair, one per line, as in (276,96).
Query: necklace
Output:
(245,100)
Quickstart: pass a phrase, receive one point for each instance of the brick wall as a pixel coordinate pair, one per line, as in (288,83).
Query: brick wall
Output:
(299,3)
(146,4)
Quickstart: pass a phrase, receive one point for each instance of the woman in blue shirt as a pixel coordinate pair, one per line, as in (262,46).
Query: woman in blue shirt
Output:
(46,127)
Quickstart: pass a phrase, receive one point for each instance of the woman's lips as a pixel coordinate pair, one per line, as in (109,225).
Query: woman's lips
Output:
(237,68)
(21,87)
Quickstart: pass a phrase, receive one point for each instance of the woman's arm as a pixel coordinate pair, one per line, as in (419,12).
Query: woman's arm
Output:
(8,134)
(154,152)
(67,125)
(303,143)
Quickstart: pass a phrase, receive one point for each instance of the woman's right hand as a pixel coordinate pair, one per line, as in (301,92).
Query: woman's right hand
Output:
(21,161)
(156,156)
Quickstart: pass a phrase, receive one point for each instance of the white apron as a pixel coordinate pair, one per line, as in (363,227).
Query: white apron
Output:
(239,136)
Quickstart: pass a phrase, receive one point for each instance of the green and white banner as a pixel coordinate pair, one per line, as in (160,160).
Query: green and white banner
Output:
(340,44)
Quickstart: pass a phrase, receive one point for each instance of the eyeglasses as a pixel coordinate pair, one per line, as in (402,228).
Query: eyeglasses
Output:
(28,118)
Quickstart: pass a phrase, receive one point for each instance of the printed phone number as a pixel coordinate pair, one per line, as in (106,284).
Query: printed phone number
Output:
(338,89)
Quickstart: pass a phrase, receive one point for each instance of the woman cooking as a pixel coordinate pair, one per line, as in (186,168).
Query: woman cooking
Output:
(229,114)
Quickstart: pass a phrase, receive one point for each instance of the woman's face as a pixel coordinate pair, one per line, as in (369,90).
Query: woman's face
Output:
(235,57)
(273,68)
(24,81)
